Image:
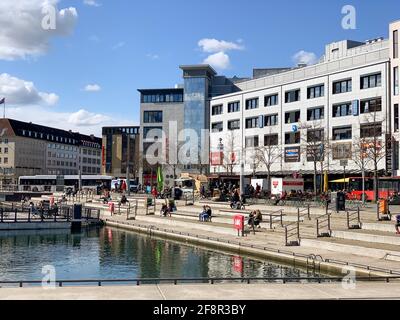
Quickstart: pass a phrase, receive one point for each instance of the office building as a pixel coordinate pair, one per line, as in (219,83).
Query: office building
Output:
(350,95)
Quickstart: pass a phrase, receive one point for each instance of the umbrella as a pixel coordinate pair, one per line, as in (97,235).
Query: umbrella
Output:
(160,179)
(326,182)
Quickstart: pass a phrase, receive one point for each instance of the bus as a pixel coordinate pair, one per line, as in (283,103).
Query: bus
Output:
(52,183)
(387,186)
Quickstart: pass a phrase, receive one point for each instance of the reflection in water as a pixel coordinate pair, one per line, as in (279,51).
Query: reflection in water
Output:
(108,253)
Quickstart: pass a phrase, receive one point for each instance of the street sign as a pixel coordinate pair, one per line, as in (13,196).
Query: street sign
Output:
(294,128)
(344,163)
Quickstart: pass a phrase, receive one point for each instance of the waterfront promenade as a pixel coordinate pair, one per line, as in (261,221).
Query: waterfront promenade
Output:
(271,291)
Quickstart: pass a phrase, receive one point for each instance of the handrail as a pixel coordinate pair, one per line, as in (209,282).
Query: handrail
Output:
(354,216)
(301,214)
(320,225)
(275,215)
(210,280)
(289,228)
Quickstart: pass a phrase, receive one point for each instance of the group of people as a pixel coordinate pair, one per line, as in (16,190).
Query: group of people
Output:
(255,218)
(166,210)
(206,214)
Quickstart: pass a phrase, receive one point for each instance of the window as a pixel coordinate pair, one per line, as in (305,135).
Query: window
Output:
(315,92)
(233,106)
(396,81)
(146,130)
(252,123)
(292,117)
(153,116)
(342,133)
(216,110)
(5,160)
(251,142)
(371,105)
(342,110)
(292,137)
(315,152)
(271,120)
(315,135)
(371,130)
(342,86)
(315,113)
(162,98)
(341,151)
(371,81)
(6,150)
(271,100)
(395,44)
(396,117)
(271,140)
(217,127)
(292,96)
(234,125)
(252,103)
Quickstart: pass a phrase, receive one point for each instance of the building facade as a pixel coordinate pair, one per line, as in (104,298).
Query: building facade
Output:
(120,151)
(31,149)
(169,114)
(337,106)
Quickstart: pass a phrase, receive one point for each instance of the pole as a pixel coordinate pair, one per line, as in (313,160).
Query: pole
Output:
(344,177)
(363,185)
(127,167)
(4,109)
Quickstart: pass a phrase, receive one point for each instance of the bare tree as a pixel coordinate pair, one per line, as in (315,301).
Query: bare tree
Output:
(315,144)
(373,145)
(361,159)
(230,158)
(268,154)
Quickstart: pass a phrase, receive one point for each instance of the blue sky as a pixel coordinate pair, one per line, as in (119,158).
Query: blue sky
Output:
(118,46)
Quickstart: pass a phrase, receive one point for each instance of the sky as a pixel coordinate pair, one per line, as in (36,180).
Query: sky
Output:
(79,66)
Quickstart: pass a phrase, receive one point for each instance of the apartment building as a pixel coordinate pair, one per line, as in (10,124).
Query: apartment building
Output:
(120,151)
(31,149)
(165,113)
(349,96)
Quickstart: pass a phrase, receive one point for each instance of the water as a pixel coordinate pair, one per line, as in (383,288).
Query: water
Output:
(108,253)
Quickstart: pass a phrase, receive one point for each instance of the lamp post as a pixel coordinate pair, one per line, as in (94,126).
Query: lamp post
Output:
(128,187)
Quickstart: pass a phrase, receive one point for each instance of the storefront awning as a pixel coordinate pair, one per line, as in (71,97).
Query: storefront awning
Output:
(347,180)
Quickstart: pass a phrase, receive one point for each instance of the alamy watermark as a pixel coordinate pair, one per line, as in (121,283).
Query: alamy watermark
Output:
(349,21)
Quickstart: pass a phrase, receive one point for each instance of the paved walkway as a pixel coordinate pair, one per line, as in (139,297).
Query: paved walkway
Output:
(209,292)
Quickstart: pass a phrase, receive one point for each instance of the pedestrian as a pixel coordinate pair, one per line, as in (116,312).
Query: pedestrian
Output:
(397,225)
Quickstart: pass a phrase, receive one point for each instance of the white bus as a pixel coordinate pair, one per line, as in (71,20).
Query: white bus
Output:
(52,183)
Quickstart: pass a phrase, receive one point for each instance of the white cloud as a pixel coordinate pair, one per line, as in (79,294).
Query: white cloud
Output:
(153,56)
(302,56)
(85,118)
(92,3)
(19,92)
(214,45)
(21,32)
(219,60)
(92,88)
(81,121)
(119,45)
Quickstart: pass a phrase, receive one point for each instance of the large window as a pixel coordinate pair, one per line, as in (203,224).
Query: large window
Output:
(342,86)
(271,140)
(292,137)
(216,110)
(153,116)
(342,133)
(233,106)
(292,117)
(252,123)
(396,81)
(315,135)
(234,125)
(315,92)
(252,103)
(217,127)
(371,130)
(271,100)
(342,110)
(292,96)
(396,117)
(341,151)
(162,98)
(395,44)
(146,131)
(315,113)
(251,142)
(371,81)
(371,105)
(271,120)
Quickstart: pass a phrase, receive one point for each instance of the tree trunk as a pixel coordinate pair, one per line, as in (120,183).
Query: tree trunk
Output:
(376,184)
(315,180)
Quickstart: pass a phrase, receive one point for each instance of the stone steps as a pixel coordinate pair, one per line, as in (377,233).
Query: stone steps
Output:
(368,236)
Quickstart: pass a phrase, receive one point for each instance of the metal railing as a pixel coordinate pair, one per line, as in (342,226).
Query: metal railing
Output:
(324,222)
(292,230)
(303,213)
(263,248)
(151,206)
(353,219)
(176,281)
(272,218)
(189,199)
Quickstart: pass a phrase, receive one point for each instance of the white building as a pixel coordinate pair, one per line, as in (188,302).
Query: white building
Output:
(353,85)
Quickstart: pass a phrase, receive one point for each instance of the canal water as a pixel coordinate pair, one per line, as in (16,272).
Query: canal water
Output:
(108,253)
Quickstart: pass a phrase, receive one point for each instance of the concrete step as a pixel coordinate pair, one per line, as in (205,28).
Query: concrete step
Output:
(386,252)
(368,236)
(381,226)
